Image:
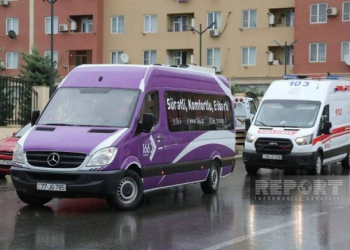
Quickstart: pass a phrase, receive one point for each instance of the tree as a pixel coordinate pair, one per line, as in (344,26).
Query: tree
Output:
(36,70)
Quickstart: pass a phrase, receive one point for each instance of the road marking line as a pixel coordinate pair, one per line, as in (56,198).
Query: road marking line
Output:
(260,232)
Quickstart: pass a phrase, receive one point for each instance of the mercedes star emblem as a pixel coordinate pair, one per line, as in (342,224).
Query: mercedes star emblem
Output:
(53,159)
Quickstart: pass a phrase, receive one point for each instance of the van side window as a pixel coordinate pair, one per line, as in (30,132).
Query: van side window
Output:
(252,107)
(198,112)
(324,118)
(151,105)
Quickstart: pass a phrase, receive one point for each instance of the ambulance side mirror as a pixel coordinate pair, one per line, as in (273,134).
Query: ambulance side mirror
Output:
(327,126)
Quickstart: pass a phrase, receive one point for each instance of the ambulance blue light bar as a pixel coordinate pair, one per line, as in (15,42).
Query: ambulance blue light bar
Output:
(326,77)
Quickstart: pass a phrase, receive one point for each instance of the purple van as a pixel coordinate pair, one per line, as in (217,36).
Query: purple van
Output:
(116,132)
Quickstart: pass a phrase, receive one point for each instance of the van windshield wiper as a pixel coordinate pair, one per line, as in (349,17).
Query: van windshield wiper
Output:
(263,123)
(57,124)
(284,126)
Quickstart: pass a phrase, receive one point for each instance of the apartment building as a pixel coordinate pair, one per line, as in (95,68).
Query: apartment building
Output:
(78,29)
(322,28)
(240,45)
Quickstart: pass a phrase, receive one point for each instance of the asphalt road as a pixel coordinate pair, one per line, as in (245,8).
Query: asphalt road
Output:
(185,218)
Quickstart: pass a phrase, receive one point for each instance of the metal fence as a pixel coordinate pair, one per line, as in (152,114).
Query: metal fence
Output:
(17,101)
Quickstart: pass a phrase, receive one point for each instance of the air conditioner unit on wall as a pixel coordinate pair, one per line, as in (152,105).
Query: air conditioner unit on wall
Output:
(270,56)
(4,2)
(214,33)
(2,65)
(63,28)
(272,20)
(332,11)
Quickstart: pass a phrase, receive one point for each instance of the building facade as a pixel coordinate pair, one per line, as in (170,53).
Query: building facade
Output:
(240,45)
(78,29)
(322,28)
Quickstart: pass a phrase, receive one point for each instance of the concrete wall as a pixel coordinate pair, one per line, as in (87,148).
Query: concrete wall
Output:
(43,96)
(8,131)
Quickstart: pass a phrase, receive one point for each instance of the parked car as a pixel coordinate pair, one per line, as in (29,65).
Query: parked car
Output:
(118,131)
(302,123)
(7,146)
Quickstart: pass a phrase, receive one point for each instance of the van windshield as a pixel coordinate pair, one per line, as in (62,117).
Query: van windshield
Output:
(287,113)
(96,107)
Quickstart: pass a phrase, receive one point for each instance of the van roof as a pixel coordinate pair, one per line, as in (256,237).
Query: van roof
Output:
(305,89)
(132,76)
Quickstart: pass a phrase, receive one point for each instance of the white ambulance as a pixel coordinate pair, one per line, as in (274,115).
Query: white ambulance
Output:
(302,123)
(245,108)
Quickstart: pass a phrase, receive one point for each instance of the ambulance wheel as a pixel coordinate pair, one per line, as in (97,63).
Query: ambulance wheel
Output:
(346,162)
(129,192)
(317,168)
(211,184)
(251,170)
(33,200)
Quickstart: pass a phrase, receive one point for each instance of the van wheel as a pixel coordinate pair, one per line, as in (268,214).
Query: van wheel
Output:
(129,192)
(211,184)
(32,200)
(317,168)
(346,162)
(251,170)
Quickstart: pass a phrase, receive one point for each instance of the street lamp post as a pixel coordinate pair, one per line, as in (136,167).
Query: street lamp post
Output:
(52,2)
(285,48)
(201,32)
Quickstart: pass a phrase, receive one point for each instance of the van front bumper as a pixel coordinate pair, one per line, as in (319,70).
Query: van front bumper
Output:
(290,161)
(79,184)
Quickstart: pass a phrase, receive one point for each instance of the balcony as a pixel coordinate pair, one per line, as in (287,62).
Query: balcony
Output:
(276,59)
(81,24)
(179,22)
(179,56)
(281,17)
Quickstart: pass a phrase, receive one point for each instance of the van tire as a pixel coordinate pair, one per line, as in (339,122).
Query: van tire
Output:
(317,168)
(346,162)
(211,184)
(33,200)
(129,192)
(251,170)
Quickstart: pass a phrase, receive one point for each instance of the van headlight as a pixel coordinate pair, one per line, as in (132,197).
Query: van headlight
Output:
(18,155)
(103,157)
(249,138)
(305,140)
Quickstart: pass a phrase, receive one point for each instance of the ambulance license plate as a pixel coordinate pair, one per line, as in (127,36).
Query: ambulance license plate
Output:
(7,163)
(51,187)
(272,157)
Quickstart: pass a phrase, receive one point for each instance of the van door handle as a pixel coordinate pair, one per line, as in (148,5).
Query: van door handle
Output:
(159,138)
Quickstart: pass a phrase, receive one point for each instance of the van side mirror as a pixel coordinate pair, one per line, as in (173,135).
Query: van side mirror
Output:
(327,126)
(35,117)
(248,123)
(147,122)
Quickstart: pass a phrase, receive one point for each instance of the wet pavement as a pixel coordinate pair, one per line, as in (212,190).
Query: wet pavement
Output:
(185,218)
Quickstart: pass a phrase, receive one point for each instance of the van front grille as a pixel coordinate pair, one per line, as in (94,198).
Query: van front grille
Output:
(273,146)
(66,160)
(8,153)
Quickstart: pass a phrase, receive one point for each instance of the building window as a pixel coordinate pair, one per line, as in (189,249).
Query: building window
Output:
(180,23)
(117,24)
(346,11)
(214,17)
(48,25)
(318,13)
(11,60)
(87,25)
(116,57)
(150,24)
(12,24)
(248,56)
(317,52)
(290,17)
(179,57)
(149,57)
(345,49)
(55,57)
(214,58)
(249,18)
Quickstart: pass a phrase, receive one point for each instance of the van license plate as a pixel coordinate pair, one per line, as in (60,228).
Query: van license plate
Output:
(51,187)
(7,163)
(272,157)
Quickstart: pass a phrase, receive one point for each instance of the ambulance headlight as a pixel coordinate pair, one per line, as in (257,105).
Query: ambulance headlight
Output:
(249,138)
(305,140)
(18,155)
(103,157)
